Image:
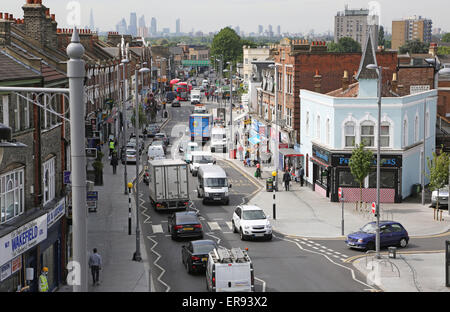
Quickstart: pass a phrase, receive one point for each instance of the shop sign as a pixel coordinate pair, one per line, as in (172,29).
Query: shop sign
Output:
(284,137)
(386,161)
(5,271)
(321,154)
(56,213)
(16,264)
(23,239)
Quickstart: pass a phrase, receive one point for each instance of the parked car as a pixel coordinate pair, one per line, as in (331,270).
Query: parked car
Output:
(443,197)
(130,156)
(200,109)
(251,222)
(391,234)
(162,137)
(176,103)
(132,144)
(185,224)
(195,254)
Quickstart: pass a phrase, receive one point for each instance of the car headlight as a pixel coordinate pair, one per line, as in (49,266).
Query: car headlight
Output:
(360,240)
(268,225)
(246,227)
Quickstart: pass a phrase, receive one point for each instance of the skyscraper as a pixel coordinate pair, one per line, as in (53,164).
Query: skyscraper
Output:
(121,27)
(153,27)
(132,28)
(178,27)
(142,30)
(270,31)
(278,30)
(260,30)
(142,21)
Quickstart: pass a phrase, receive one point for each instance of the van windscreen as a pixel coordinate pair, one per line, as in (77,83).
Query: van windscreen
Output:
(216,182)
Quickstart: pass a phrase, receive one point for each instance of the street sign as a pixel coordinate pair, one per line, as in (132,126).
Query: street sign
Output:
(373,207)
(91,153)
(92,196)
(92,206)
(340,192)
(67,177)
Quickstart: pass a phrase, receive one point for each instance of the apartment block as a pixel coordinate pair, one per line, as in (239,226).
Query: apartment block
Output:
(410,29)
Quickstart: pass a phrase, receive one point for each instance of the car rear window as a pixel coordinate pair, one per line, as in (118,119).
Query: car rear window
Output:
(203,248)
(187,219)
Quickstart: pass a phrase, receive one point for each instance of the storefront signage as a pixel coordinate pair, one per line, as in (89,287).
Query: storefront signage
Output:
(386,161)
(23,239)
(92,196)
(5,271)
(321,154)
(56,213)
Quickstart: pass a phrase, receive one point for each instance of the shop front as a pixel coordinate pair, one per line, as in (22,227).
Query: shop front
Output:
(321,162)
(390,180)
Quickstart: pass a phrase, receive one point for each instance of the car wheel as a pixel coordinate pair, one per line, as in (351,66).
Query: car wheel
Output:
(269,237)
(227,202)
(403,242)
(188,268)
(242,235)
(370,246)
(173,237)
(234,227)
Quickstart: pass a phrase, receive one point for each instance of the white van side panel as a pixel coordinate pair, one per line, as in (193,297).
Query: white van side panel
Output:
(183,181)
(172,182)
(238,274)
(160,186)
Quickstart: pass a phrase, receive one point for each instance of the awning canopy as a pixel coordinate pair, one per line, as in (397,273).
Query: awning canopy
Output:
(290,152)
(255,140)
(315,160)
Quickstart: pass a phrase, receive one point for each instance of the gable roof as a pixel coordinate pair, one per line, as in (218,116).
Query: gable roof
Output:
(368,57)
(13,69)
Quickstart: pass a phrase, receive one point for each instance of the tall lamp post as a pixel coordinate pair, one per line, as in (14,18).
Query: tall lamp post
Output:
(231,108)
(137,254)
(277,142)
(379,70)
(125,122)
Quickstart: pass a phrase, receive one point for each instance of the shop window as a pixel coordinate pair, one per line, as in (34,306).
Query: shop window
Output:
(346,179)
(12,199)
(387,179)
(385,135)
(350,134)
(368,134)
(322,176)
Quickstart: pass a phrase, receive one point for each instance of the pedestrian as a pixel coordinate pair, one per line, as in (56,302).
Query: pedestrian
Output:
(301,175)
(112,145)
(286,179)
(95,263)
(43,282)
(258,171)
(241,151)
(114,162)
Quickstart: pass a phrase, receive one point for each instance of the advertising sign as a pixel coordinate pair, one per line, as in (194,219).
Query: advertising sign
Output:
(56,213)
(5,271)
(23,239)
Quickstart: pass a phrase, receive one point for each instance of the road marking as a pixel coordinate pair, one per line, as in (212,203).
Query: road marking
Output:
(155,243)
(230,225)
(315,247)
(214,226)
(157,228)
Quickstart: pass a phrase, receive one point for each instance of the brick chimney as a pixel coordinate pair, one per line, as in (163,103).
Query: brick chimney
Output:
(35,21)
(54,33)
(394,83)
(5,29)
(345,81)
(317,82)
(433,49)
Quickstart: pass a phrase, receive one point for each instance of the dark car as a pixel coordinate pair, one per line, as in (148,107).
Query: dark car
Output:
(391,234)
(152,130)
(194,255)
(185,224)
(162,137)
(176,103)
(170,96)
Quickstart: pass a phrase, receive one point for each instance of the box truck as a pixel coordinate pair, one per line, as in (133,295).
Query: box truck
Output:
(200,126)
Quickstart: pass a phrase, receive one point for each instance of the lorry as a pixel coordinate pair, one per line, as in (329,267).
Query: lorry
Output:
(195,96)
(229,270)
(168,184)
(218,140)
(200,126)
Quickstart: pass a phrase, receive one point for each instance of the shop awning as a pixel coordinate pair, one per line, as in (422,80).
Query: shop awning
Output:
(290,152)
(255,140)
(319,162)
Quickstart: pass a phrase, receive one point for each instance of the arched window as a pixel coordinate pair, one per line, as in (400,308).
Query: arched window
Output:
(328,131)
(416,129)
(368,133)
(307,124)
(349,132)
(318,127)
(405,132)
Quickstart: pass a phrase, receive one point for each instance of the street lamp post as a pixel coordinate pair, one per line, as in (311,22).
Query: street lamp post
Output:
(379,70)
(277,141)
(125,123)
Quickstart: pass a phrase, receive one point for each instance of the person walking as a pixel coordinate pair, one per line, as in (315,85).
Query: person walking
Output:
(114,162)
(258,171)
(301,174)
(286,179)
(95,263)
(43,281)
(112,146)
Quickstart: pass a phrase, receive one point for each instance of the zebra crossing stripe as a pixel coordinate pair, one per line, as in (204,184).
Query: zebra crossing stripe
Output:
(214,226)
(157,228)
(230,225)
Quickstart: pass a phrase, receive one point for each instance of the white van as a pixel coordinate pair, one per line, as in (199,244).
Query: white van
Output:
(156,152)
(218,140)
(229,271)
(213,184)
(200,158)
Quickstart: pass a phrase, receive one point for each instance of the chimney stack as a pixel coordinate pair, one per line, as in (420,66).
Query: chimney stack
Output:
(5,30)
(394,83)
(317,82)
(433,49)
(345,81)
(34,14)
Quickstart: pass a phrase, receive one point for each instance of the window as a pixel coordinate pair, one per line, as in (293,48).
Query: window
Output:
(416,129)
(405,132)
(49,180)
(12,200)
(307,124)
(346,179)
(385,135)
(427,124)
(5,109)
(318,128)
(350,134)
(328,131)
(368,134)
(387,179)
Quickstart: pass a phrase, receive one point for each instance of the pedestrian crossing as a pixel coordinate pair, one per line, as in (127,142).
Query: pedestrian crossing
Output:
(225,227)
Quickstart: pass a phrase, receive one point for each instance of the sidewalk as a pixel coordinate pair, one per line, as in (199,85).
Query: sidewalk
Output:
(108,232)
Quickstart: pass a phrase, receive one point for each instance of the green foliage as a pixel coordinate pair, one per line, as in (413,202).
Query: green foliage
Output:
(360,164)
(439,172)
(142,117)
(227,44)
(345,45)
(387,44)
(381,40)
(414,47)
(98,166)
(443,50)
(446,37)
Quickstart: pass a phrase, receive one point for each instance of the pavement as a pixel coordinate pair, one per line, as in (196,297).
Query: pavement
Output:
(108,232)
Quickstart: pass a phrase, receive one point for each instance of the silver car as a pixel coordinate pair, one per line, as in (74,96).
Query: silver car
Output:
(443,197)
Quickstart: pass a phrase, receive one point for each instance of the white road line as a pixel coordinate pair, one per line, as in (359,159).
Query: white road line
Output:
(342,259)
(335,256)
(338,253)
(214,226)
(230,225)
(344,256)
(263,282)
(155,263)
(315,247)
(157,228)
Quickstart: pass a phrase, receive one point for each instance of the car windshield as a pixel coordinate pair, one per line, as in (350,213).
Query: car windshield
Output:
(216,182)
(203,248)
(253,215)
(203,159)
(131,153)
(156,143)
(369,228)
(218,136)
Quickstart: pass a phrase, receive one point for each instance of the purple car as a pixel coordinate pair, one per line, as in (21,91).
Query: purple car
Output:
(391,234)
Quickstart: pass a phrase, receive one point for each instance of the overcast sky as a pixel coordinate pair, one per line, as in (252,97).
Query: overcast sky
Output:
(212,15)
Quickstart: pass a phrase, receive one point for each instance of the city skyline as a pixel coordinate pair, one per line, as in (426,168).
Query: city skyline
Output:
(292,16)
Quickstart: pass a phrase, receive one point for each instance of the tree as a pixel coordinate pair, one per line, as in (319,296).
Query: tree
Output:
(443,50)
(142,117)
(446,37)
(414,47)
(439,172)
(360,165)
(227,44)
(381,40)
(345,45)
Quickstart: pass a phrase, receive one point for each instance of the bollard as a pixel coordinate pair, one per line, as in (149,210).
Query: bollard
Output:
(130,185)
(441,215)
(434,213)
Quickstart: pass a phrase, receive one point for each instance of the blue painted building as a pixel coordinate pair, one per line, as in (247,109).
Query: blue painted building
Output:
(332,124)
